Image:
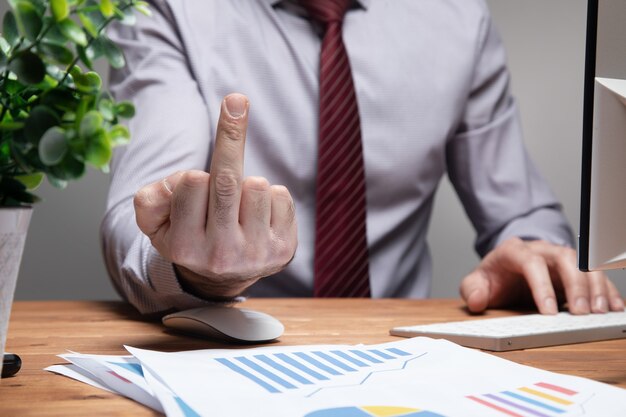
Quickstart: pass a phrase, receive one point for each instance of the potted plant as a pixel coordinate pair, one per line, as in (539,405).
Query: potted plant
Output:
(55,119)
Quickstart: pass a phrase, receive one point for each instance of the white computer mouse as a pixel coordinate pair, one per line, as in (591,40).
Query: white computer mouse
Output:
(227,324)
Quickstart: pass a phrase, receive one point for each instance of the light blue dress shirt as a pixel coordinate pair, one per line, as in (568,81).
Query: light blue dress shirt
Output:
(432,89)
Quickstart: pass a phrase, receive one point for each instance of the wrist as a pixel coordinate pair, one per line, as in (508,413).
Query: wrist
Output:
(214,289)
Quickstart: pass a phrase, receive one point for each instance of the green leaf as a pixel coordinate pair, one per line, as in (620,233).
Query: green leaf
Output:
(55,72)
(41,119)
(57,182)
(60,9)
(5,47)
(92,18)
(28,67)
(125,109)
(99,150)
(106,7)
(13,87)
(90,53)
(57,53)
(86,104)
(95,50)
(28,20)
(119,135)
(89,82)
(113,53)
(143,8)
(48,83)
(10,125)
(75,71)
(105,107)
(31,181)
(126,16)
(53,34)
(40,5)
(52,146)
(61,99)
(3,58)
(84,57)
(90,25)
(90,125)
(72,31)
(9,28)
(68,169)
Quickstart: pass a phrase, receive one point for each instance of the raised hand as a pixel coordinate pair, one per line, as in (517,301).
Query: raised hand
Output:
(221,231)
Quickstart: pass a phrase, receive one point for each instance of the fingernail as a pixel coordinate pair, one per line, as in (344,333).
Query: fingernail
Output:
(582,306)
(549,305)
(236,105)
(601,304)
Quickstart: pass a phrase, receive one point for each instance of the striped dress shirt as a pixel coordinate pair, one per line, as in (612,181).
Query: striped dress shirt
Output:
(433,96)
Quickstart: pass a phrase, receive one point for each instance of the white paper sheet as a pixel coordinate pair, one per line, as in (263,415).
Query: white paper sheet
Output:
(417,377)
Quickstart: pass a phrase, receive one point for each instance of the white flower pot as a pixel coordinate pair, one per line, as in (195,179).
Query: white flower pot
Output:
(14,223)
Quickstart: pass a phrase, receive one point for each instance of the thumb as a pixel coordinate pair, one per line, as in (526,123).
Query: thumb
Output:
(152,204)
(475,290)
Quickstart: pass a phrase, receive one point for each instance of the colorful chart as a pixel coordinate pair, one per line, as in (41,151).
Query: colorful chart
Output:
(282,372)
(539,400)
(373,411)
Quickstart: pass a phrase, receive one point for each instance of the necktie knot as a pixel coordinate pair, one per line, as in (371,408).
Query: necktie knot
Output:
(326,11)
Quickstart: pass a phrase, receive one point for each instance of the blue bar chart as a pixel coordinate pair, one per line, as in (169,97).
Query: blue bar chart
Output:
(289,371)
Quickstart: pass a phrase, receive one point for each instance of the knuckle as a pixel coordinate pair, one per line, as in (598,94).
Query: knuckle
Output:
(284,249)
(513,241)
(286,253)
(534,261)
(143,199)
(568,254)
(231,130)
(281,194)
(227,183)
(281,191)
(256,184)
(291,213)
(193,179)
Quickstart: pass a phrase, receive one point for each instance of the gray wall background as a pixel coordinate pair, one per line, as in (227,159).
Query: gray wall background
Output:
(545,41)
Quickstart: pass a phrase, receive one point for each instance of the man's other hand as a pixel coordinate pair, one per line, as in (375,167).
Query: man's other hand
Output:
(517,271)
(221,231)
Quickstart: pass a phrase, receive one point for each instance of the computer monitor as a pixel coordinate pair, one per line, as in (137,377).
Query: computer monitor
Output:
(602,239)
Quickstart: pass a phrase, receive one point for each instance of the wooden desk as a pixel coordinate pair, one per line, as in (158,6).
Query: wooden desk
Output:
(40,330)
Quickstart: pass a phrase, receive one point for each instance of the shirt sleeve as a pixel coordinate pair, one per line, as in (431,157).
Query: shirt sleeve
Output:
(170,132)
(500,188)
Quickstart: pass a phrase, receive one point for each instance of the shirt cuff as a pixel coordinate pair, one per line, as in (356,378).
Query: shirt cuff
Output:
(164,281)
(546,224)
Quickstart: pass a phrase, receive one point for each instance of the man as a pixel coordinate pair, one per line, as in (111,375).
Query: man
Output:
(186,225)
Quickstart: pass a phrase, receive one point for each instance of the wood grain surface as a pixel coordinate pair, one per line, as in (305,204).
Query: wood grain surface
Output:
(41,330)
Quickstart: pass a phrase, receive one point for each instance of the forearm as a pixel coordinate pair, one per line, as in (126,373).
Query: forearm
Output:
(170,132)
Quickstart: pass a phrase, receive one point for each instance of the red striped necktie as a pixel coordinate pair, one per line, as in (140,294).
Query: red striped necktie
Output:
(341,254)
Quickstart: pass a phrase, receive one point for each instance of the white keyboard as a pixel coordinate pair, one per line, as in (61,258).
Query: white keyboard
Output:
(522,332)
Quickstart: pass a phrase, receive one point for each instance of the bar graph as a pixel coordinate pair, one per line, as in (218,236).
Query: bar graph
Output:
(315,369)
(538,400)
